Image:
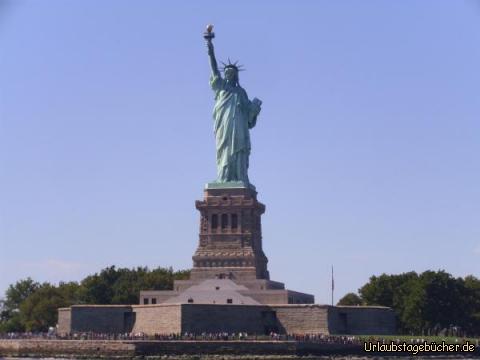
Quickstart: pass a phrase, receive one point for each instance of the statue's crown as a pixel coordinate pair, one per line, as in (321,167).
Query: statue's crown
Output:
(231,65)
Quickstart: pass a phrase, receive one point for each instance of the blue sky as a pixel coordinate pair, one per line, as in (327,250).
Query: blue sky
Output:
(366,152)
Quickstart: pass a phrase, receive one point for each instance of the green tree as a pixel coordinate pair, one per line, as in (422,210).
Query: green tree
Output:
(18,292)
(39,311)
(350,299)
(378,291)
(387,290)
(472,295)
(9,320)
(409,307)
(427,303)
(98,288)
(123,286)
(10,317)
(29,306)
(70,291)
(128,285)
(444,304)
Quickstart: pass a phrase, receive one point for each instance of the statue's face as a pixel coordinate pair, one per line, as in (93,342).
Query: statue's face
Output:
(231,74)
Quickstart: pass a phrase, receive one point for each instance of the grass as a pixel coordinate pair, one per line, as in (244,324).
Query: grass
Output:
(408,338)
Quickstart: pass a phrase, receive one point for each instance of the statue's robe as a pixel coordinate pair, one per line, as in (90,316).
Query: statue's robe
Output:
(234,114)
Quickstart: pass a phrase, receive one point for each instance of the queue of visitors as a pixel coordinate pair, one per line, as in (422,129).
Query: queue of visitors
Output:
(217,336)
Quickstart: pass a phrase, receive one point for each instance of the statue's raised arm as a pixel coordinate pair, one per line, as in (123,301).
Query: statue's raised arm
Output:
(209,35)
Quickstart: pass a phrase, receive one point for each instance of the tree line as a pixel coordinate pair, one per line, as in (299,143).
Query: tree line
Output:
(425,304)
(430,303)
(32,306)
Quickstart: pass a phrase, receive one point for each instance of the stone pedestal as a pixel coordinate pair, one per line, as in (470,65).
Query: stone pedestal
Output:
(229,265)
(230,243)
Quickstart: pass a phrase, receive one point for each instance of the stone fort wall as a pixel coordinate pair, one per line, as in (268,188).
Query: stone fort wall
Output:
(210,318)
(109,349)
(198,318)
(64,320)
(66,348)
(302,319)
(158,319)
(358,320)
(96,318)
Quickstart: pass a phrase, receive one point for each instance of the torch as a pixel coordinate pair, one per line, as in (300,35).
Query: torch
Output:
(209,34)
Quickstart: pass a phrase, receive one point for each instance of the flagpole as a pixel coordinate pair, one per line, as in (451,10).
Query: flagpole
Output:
(333,285)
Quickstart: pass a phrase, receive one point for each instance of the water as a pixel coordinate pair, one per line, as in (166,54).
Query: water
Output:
(199,357)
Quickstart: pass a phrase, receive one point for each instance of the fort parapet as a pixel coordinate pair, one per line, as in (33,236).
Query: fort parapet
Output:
(213,318)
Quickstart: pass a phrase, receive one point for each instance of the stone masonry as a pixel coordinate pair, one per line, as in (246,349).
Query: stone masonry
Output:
(229,248)
(212,318)
(230,239)
(229,289)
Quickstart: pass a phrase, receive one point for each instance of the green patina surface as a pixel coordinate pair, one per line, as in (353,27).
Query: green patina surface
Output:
(233,115)
(229,185)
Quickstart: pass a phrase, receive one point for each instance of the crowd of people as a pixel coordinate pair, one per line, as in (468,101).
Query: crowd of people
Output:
(187,336)
(322,338)
(206,336)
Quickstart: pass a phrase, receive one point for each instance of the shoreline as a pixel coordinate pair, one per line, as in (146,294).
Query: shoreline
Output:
(197,349)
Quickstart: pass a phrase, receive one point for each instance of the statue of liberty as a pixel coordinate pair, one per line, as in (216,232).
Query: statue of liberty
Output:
(234,114)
